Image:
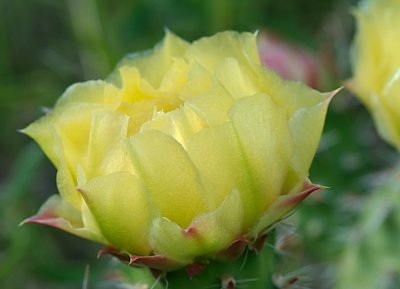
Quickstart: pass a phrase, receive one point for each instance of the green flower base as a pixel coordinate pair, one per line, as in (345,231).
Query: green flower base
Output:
(251,270)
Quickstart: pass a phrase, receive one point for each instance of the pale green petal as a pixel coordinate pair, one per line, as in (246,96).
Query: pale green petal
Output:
(168,239)
(122,211)
(90,224)
(306,127)
(209,233)
(251,154)
(216,156)
(219,228)
(262,134)
(169,175)
(208,51)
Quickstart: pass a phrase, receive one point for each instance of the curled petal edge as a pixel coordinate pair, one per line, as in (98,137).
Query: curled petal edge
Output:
(282,209)
(55,213)
(157,262)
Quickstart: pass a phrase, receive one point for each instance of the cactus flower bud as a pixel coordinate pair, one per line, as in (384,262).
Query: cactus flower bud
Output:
(376,64)
(187,152)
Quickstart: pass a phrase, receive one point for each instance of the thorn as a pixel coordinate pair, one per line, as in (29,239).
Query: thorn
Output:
(85,283)
(228,282)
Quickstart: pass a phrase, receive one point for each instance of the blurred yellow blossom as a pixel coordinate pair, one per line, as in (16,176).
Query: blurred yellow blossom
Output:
(184,152)
(376,64)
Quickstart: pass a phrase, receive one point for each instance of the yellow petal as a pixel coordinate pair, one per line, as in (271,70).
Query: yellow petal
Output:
(175,78)
(376,65)
(43,132)
(138,113)
(106,150)
(134,87)
(181,123)
(209,233)
(199,80)
(66,184)
(51,144)
(236,78)
(212,105)
(122,211)
(169,175)
(70,120)
(208,51)
(289,95)
(89,92)
(152,64)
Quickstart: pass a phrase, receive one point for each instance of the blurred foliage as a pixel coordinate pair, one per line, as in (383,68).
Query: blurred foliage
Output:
(46,45)
(371,256)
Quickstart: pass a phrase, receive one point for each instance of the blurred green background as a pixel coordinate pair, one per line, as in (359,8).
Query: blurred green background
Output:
(45,45)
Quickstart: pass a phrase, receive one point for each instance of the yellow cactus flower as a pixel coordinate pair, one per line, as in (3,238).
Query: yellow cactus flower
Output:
(186,152)
(376,64)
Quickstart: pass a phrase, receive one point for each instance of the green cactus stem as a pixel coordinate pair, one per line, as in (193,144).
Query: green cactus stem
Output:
(253,269)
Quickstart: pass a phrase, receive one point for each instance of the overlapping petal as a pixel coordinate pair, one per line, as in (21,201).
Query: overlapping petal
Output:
(186,152)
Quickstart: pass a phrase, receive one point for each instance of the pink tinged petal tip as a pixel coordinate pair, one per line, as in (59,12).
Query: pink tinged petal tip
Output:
(41,218)
(114,252)
(157,262)
(49,218)
(281,209)
(55,213)
(235,250)
(293,200)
